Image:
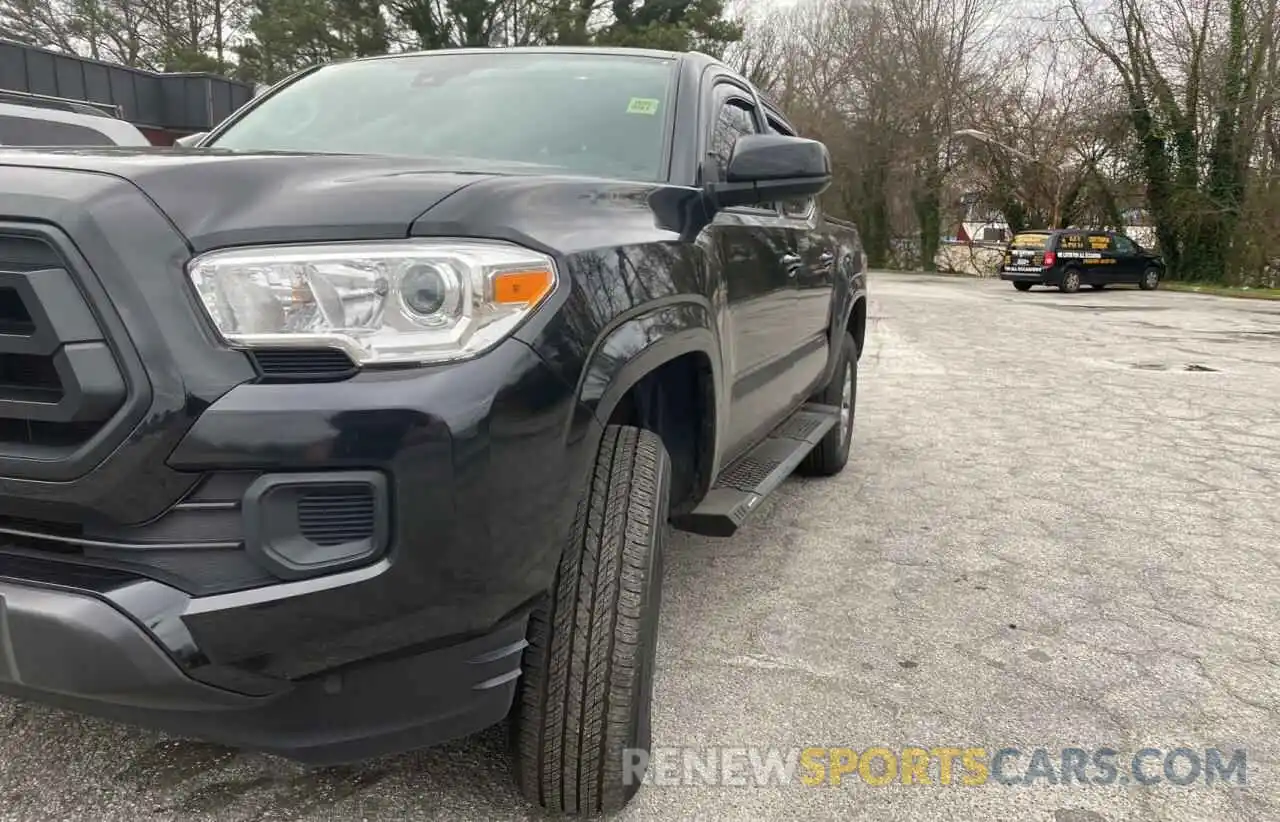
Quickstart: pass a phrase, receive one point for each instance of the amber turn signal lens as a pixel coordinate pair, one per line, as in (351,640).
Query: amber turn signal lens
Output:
(521,287)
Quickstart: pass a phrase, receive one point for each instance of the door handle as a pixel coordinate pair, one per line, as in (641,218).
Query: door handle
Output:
(792,263)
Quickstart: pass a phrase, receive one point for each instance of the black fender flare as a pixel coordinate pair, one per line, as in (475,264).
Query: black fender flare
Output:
(850,290)
(639,343)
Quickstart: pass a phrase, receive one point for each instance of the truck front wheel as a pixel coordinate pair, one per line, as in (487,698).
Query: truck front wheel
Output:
(580,728)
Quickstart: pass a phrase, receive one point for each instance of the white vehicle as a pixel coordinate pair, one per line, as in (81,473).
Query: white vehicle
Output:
(35,120)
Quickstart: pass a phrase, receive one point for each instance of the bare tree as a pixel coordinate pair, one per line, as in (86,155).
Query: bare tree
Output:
(1199,83)
(176,35)
(882,82)
(942,46)
(1049,140)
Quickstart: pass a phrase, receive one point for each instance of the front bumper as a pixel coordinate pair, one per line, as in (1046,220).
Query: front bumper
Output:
(418,644)
(83,653)
(135,563)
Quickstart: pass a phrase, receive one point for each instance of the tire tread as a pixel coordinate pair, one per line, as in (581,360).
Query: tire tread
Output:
(576,710)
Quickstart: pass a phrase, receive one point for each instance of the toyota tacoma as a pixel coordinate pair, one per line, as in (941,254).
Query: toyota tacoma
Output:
(358,425)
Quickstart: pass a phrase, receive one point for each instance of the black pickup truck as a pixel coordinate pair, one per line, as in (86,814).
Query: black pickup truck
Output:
(358,425)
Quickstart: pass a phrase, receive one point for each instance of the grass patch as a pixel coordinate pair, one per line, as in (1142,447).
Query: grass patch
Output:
(1219,290)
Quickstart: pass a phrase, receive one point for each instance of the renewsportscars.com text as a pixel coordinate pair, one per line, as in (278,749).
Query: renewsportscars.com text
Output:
(942,765)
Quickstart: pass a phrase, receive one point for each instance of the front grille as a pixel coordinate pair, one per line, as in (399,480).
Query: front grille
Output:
(14,317)
(30,377)
(337,515)
(59,379)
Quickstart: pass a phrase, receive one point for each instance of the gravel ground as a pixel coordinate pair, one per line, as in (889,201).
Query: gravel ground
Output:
(1059,530)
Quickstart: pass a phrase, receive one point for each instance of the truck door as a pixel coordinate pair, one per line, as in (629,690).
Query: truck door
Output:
(758,271)
(814,280)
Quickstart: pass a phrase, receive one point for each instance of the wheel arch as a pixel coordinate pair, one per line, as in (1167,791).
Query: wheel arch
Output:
(1078,269)
(856,324)
(662,370)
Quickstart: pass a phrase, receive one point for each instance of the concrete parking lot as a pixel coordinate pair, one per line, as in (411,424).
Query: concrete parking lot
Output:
(1060,529)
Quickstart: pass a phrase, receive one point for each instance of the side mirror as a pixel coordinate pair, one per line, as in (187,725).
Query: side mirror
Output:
(190,139)
(764,168)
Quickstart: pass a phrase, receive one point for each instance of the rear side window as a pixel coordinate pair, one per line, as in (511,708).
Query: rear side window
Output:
(1036,240)
(1072,242)
(798,209)
(24,131)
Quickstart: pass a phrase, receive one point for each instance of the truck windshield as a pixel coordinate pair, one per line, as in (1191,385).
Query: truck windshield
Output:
(596,114)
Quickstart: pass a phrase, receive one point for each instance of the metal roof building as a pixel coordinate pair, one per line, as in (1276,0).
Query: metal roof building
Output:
(163,106)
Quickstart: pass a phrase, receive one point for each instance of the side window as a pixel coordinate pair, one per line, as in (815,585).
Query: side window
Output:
(796,209)
(1071,242)
(23,131)
(1100,242)
(1125,246)
(733,121)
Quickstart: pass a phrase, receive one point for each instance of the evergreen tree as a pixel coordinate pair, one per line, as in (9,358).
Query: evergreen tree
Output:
(288,35)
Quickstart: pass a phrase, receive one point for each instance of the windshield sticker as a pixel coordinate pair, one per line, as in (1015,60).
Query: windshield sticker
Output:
(642,105)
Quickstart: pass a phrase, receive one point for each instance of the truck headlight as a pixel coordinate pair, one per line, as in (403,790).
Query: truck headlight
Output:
(423,300)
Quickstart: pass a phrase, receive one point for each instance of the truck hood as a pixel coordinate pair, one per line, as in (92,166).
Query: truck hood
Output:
(220,198)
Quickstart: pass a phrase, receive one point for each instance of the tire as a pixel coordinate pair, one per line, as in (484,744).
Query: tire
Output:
(830,455)
(1150,279)
(1022,286)
(1070,281)
(588,671)
(1098,286)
